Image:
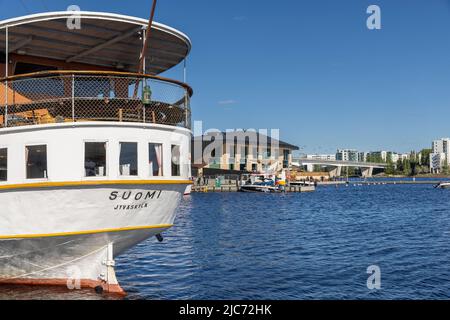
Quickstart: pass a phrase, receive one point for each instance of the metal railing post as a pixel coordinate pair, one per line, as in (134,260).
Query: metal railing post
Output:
(6,75)
(6,103)
(143,112)
(143,105)
(185,70)
(186,106)
(73,98)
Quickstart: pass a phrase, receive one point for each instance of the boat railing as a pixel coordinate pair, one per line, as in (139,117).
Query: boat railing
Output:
(79,96)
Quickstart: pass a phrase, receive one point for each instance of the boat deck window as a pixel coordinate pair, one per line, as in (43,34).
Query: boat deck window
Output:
(176,161)
(3,164)
(36,161)
(95,159)
(155,159)
(128,159)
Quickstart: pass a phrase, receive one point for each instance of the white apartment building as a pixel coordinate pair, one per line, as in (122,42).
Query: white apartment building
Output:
(437,161)
(394,156)
(362,156)
(347,155)
(330,157)
(440,154)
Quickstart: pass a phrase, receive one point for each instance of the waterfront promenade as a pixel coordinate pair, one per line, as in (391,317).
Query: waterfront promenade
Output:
(231,185)
(234,188)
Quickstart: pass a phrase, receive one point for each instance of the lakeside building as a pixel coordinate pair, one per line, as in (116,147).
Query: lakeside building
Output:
(241,151)
(347,155)
(393,156)
(440,155)
(362,156)
(330,157)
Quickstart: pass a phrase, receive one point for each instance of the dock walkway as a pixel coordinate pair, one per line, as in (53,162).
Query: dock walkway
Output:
(233,188)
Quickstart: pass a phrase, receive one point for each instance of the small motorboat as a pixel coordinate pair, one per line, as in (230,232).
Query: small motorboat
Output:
(302,183)
(261,183)
(443,185)
(188,190)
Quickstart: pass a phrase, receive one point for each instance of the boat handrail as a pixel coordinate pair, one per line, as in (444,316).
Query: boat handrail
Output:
(97,72)
(78,96)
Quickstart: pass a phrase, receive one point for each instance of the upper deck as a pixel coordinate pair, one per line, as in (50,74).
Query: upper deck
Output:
(54,71)
(81,40)
(77,96)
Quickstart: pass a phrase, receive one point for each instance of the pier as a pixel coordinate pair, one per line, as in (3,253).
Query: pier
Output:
(234,188)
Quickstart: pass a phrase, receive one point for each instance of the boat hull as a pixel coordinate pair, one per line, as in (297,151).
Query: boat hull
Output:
(263,189)
(302,183)
(71,235)
(443,186)
(188,190)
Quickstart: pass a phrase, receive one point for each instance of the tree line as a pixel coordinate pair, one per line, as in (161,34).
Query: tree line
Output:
(416,163)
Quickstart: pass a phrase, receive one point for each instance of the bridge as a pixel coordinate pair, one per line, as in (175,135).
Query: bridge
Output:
(366,167)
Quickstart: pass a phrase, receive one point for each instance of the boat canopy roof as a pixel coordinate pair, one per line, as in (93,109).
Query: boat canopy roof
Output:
(103,39)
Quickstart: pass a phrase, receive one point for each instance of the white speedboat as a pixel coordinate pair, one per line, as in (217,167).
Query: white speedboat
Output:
(260,183)
(443,185)
(94,155)
(302,183)
(188,190)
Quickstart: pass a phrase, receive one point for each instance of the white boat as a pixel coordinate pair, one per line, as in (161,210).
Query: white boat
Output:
(94,157)
(188,190)
(302,183)
(260,183)
(443,185)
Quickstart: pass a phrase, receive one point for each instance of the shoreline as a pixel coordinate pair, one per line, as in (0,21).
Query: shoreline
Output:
(302,189)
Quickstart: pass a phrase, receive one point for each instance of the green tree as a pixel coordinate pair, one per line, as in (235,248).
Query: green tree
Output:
(407,167)
(425,157)
(390,169)
(399,167)
(445,169)
(351,171)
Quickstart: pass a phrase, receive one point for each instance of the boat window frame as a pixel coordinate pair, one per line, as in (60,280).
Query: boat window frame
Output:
(107,160)
(137,160)
(7,163)
(26,145)
(172,145)
(163,157)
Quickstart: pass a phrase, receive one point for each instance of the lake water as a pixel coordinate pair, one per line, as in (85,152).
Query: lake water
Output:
(292,246)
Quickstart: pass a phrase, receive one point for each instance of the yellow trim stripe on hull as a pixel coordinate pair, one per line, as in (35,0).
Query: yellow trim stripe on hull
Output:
(78,233)
(91,183)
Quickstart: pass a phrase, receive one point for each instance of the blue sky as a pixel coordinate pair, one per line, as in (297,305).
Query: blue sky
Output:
(308,67)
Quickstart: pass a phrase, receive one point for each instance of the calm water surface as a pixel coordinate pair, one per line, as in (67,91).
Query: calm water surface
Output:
(292,246)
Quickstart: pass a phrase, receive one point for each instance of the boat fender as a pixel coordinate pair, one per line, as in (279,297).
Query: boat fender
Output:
(159,237)
(98,289)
